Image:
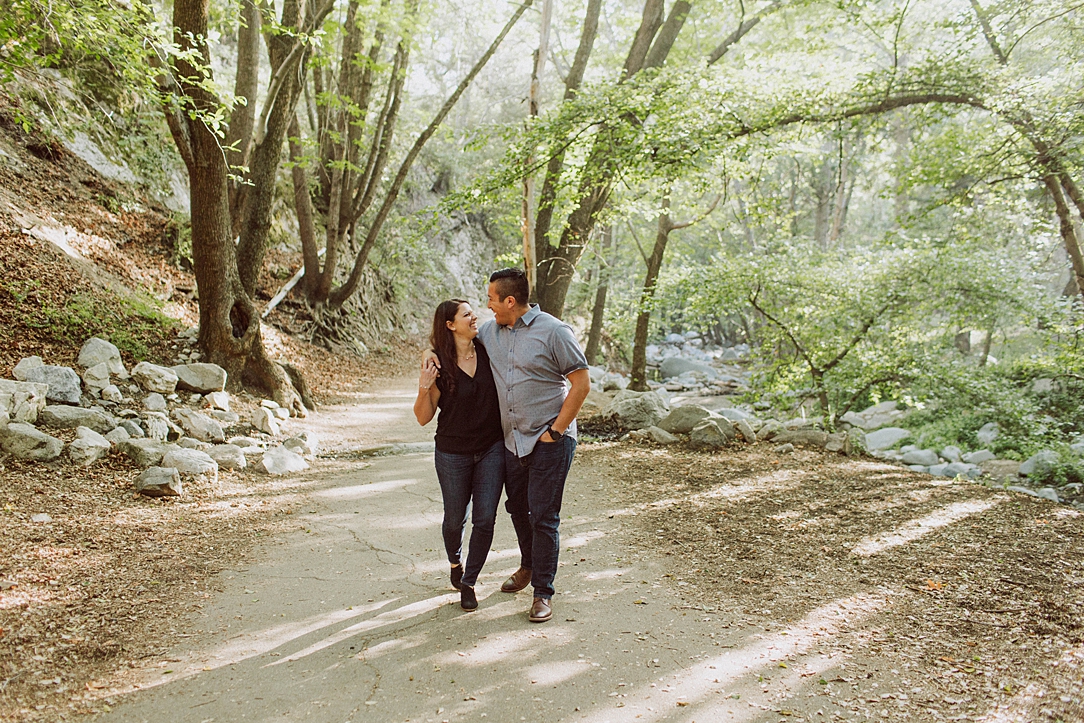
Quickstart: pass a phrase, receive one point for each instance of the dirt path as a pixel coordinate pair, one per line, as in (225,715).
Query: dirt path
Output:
(666,610)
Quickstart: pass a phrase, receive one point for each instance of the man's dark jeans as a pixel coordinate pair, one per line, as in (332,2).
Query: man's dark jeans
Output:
(536,486)
(470,481)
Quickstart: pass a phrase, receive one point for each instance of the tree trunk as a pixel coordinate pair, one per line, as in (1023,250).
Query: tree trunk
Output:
(1068,229)
(243,117)
(598,311)
(230,333)
(643,318)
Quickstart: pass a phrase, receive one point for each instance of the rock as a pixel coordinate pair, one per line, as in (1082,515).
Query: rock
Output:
(145,452)
(886,438)
(23,441)
(614,382)
(226,418)
(112,393)
(839,442)
(917,468)
(1001,470)
(88,447)
(65,386)
(97,377)
(133,428)
(875,417)
(41,518)
(808,437)
(681,420)
(155,402)
(190,443)
(60,416)
(264,420)
(228,456)
(951,453)
(1038,464)
(734,414)
(636,410)
(745,431)
(1024,490)
(195,399)
(653,434)
(279,460)
(22,401)
(244,442)
(202,378)
(281,413)
(218,400)
(25,365)
(594,404)
(97,351)
(118,435)
(269,404)
(1048,493)
(307,444)
(938,470)
(799,423)
(988,433)
(961,469)
(199,425)
(1077,447)
(771,428)
(157,425)
(675,366)
(712,434)
(154,378)
(191,462)
(787,448)
(596,375)
(925,457)
(983,455)
(159,482)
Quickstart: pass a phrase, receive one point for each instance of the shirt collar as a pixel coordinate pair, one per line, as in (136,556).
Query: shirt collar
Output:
(533,313)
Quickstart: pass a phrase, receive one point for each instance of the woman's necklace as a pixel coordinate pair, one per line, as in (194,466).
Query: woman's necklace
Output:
(470,356)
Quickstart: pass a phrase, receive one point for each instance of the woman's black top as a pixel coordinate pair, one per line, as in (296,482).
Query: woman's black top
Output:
(470,417)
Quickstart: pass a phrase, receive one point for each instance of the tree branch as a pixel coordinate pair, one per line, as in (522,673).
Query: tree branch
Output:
(742,30)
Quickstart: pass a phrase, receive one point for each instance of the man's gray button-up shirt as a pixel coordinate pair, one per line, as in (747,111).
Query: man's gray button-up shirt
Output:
(530,361)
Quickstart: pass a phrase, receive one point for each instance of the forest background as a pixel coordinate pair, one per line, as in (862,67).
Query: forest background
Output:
(882,199)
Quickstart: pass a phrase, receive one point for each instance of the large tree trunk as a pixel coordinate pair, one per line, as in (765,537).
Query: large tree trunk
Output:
(643,318)
(598,311)
(229,323)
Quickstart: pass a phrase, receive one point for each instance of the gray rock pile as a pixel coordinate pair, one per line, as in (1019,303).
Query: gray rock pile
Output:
(144,416)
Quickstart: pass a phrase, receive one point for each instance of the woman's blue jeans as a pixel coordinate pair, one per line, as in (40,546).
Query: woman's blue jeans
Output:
(470,483)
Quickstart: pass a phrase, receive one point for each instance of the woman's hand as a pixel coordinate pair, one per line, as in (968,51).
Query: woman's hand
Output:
(430,360)
(428,377)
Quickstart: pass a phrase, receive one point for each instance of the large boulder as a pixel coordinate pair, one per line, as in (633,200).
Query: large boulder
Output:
(158,426)
(886,438)
(807,437)
(675,366)
(771,428)
(191,462)
(22,401)
(875,417)
(60,416)
(23,441)
(279,460)
(979,457)
(25,365)
(159,482)
(154,378)
(307,444)
(264,420)
(199,425)
(97,377)
(65,386)
(653,434)
(1001,470)
(712,434)
(681,420)
(636,410)
(145,452)
(202,378)
(1039,464)
(97,351)
(88,447)
(988,433)
(228,456)
(925,457)
(745,430)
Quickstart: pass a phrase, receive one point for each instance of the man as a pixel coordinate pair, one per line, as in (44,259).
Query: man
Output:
(531,354)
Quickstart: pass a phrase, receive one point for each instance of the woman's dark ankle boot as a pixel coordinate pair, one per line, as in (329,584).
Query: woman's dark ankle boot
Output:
(467,600)
(457,575)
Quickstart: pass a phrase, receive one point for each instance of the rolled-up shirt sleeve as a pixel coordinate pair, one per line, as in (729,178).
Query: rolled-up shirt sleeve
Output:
(566,350)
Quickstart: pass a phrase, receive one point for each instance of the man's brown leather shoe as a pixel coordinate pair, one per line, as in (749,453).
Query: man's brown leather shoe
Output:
(540,610)
(520,579)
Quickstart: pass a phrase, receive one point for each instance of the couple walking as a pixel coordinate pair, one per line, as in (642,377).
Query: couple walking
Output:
(507,419)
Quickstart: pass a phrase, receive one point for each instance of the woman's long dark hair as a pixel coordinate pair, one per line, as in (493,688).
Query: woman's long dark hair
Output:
(443,341)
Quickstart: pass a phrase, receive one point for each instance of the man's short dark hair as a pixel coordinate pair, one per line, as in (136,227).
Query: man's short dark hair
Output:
(511,282)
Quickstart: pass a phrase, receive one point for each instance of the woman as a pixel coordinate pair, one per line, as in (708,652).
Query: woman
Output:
(470,443)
